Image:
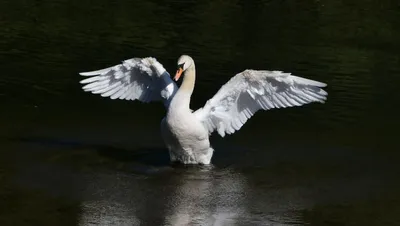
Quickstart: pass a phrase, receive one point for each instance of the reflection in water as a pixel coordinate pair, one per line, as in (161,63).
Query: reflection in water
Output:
(200,196)
(206,197)
(188,196)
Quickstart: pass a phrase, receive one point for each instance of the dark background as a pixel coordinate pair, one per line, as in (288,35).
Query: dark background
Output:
(74,158)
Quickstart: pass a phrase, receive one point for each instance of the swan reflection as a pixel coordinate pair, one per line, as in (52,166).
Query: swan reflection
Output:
(206,198)
(186,196)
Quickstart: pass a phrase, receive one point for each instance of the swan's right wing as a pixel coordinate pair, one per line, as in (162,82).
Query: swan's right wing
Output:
(143,79)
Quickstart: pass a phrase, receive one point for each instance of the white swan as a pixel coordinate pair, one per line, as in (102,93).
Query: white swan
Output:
(186,133)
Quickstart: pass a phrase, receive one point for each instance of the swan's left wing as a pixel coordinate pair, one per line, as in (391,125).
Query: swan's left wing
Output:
(251,90)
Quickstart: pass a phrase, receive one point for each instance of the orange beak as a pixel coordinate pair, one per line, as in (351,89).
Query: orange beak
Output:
(178,74)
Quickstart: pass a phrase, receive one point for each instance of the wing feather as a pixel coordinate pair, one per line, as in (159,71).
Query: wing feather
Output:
(143,79)
(251,90)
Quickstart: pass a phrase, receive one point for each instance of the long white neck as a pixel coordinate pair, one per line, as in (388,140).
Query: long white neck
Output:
(182,97)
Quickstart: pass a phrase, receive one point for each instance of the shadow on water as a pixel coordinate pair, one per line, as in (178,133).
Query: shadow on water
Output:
(142,160)
(150,157)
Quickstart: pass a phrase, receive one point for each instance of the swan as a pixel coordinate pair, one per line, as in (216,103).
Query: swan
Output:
(186,132)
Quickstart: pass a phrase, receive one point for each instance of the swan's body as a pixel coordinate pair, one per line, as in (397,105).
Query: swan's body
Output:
(186,133)
(183,133)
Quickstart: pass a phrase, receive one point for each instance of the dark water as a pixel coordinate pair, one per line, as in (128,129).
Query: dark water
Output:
(72,158)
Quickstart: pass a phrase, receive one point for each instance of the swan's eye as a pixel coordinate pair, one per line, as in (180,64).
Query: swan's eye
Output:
(180,66)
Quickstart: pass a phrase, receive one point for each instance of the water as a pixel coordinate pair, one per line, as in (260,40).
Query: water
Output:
(73,158)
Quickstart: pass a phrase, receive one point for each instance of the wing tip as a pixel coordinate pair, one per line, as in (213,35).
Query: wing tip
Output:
(96,72)
(85,73)
(307,81)
(89,73)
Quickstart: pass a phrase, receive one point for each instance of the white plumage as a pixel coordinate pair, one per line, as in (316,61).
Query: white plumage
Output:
(134,79)
(186,133)
(249,91)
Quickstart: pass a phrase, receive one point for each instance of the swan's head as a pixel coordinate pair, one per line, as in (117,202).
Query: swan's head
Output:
(184,62)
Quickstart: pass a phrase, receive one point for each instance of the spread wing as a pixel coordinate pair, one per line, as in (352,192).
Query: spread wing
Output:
(143,79)
(251,90)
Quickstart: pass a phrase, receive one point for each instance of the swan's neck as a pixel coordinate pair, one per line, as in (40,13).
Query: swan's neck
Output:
(182,97)
(188,81)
